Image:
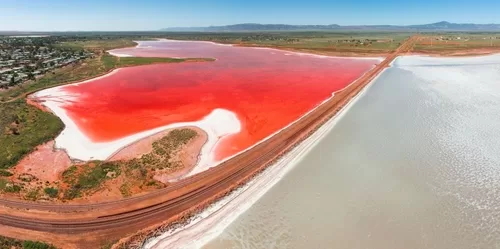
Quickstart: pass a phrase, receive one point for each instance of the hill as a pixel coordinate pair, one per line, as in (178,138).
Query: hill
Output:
(439,26)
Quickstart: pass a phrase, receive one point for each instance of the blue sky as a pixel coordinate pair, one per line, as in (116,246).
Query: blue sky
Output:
(64,15)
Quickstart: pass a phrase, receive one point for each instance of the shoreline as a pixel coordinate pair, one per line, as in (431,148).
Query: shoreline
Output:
(218,124)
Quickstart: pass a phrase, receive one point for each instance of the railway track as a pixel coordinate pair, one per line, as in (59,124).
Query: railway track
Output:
(116,219)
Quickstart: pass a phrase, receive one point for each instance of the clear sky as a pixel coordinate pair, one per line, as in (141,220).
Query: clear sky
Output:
(110,15)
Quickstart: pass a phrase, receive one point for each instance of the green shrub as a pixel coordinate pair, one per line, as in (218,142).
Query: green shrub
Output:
(9,243)
(69,174)
(3,183)
(33,127)
(32,194)
(13,188)
(28,244)
(73,192)
(125,190)
(52,192)
(5,173)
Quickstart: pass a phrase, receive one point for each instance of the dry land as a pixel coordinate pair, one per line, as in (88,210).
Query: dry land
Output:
(326,43)
(48,174)
(458,44)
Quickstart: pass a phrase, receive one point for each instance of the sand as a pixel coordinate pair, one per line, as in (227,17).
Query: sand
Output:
(46,163)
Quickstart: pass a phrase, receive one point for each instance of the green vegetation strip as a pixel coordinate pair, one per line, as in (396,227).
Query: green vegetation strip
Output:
(23,127)
(92,175)
(111,62)
(10,243)
(337,42)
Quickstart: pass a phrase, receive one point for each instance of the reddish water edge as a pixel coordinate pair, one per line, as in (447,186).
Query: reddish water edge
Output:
(267,89)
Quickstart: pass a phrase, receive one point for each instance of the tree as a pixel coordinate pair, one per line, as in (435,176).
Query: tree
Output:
(12,81)
(31,76)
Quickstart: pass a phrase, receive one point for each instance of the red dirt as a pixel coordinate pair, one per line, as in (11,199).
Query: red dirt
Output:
(187,155)
(37,104)
(46,163)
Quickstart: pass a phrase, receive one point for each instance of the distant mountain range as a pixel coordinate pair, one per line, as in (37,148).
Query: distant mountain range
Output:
(439,26)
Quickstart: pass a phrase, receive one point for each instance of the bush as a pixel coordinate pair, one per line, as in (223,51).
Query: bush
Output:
(13,188)
(32,194)
(6,242)
(5,173)
(3,183)
(28,244)
(73,192)
(52,192)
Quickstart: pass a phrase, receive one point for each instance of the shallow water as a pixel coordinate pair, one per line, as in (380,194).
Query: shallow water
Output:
(415,163)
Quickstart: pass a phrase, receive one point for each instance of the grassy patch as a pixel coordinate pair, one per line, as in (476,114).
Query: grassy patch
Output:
(28,244)
(98,44)
(9,243)
(456,42)
(91,176)
(8,186)
(108,244)
(3,183)
(163,149)
(85,178)
(311,41)
(23,127)
(69,175)
(108,61)
(12,188)
(111,62)
(5,173)
(125,190)
(51,192)
(32,194)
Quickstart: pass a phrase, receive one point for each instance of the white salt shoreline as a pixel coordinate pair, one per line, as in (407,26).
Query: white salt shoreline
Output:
(218,124)
(119,54)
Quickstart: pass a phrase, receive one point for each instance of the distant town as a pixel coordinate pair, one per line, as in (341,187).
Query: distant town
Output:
(24,58)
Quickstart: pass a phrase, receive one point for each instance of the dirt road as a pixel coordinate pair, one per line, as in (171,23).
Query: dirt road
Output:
(86,226)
